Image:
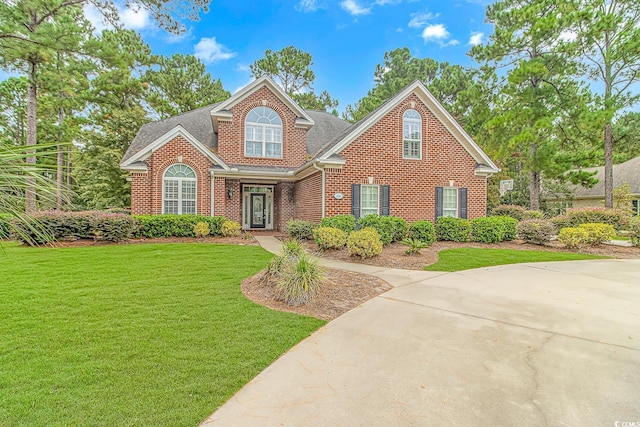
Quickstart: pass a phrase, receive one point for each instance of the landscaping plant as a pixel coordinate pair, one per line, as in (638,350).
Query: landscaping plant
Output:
(414,245)
(230,229)
(618,218)
(536,231)
(300,229)
(365,243)
(573,237)
(300,280)
(152,226)
(390,228)
(487,229)
(346,223)
(634,231)
(423,231)
(201,229)
(453,229)
(330,238)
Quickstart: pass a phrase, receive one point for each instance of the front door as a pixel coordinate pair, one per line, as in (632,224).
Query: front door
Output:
(258,211)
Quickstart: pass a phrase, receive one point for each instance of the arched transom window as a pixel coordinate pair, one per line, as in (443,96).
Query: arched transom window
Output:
(263,133)
(179,190)
(411,135)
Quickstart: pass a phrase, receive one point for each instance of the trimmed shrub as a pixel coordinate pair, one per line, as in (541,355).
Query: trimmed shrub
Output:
(300,229)
(573,237)
(533,215)
(346,223)
(536,231)
(300,280)
(487,230)
(634,231)
(201,229)
(365,243)
(618,218)
(598,233)
(413,245)
(330,238)
(514,211)
(453,229)
(423,231)
(152,226)
(48,226)
(5,227)
(230,229)
(390,228)
(509,226)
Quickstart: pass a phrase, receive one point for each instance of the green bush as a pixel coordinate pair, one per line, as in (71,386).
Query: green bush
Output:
(5,225)
(618,218)
(598,233)
(533,215)
(330,238)
(634,231)
(391,228)
(300,229)
(487,229)
(453,229)
(300,280)
(152,226)
(509,226)
(514,211)
(346,223)
(48,226)
(201,229)
(365,243)
(537,231)
(423,231)
(414,245)
(573,237)
(230,228)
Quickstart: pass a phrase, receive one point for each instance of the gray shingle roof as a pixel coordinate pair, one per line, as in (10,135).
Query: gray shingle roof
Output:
(627,172)
(327,126)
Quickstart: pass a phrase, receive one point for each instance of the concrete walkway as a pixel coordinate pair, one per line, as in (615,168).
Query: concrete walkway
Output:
(524,344)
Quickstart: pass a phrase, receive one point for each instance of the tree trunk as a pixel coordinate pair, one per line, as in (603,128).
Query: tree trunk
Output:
(30,204)
(69,153)
(608,166)
(60,161)
(534,181)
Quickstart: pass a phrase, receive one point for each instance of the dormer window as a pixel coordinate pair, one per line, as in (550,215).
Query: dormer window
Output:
(263,133)
(411,135)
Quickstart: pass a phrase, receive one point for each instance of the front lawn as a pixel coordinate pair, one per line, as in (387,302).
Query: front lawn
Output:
(468,258)
(152,335)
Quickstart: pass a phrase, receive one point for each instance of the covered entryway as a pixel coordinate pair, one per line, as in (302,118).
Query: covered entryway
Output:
(257,207)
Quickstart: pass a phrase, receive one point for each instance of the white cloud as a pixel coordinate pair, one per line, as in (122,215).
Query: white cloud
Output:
(568,36)
(307,6)
(354,8)
(438,33)
(209,50)
(385,2)
(243,68)
(94,16)
(476,38)
(420,19)
(135,19)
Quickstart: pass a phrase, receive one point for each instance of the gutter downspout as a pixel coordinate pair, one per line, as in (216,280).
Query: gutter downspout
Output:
(315,165)
(213,193)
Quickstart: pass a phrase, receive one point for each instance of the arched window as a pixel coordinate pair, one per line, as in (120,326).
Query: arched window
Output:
(263,133)
(411,135)
(179,190)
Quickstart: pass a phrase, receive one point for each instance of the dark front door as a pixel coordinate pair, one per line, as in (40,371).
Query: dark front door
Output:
(258,211)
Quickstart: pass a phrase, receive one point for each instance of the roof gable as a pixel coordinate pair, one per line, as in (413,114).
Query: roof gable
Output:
(339,143)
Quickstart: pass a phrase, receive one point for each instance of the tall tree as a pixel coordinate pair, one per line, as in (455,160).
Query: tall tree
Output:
(180,83)
(13,110)
(291,69)
(609,40)
(538,86)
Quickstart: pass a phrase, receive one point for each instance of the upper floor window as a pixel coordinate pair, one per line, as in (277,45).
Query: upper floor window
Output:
(263,133)
(411,135)
(179,190)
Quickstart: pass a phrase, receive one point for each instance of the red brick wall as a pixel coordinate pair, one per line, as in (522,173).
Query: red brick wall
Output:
(219,195)
(378,154)
(146,192)
(231,133)
(308,196)
(283,208)
(233,206)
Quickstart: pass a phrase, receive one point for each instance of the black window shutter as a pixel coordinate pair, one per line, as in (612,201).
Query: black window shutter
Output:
(355,200)
(462,196)
(438,202)
(384,200)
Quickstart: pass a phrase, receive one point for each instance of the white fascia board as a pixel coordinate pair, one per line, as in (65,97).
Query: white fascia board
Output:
(255,85)
(161,141)
(237,173)
(134,168)
(436,108)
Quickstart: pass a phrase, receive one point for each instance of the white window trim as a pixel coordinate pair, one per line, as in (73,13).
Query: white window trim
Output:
(457,209)
(180,199)
(419,141)
(362,208)
(263,141)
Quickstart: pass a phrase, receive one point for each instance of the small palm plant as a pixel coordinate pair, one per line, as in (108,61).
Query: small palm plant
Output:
(413,245)
(298,277)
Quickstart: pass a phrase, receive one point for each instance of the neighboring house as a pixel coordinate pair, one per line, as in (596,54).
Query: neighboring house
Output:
(623,173)
(260,159)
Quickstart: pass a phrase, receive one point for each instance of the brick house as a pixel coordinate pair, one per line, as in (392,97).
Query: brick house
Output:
(260,159)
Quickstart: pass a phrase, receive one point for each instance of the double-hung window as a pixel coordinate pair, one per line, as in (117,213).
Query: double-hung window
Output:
(179,190)
(411,135)
(450,202)
(369,199)
(263,133)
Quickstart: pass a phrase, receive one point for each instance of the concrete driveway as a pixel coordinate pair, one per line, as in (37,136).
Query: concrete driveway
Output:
(518,345)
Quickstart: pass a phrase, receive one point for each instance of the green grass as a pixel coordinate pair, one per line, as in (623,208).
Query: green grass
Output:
(468,258)
(623,238)
(148,335)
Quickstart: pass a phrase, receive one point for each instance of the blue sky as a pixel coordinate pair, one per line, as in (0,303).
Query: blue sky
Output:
(346,38)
